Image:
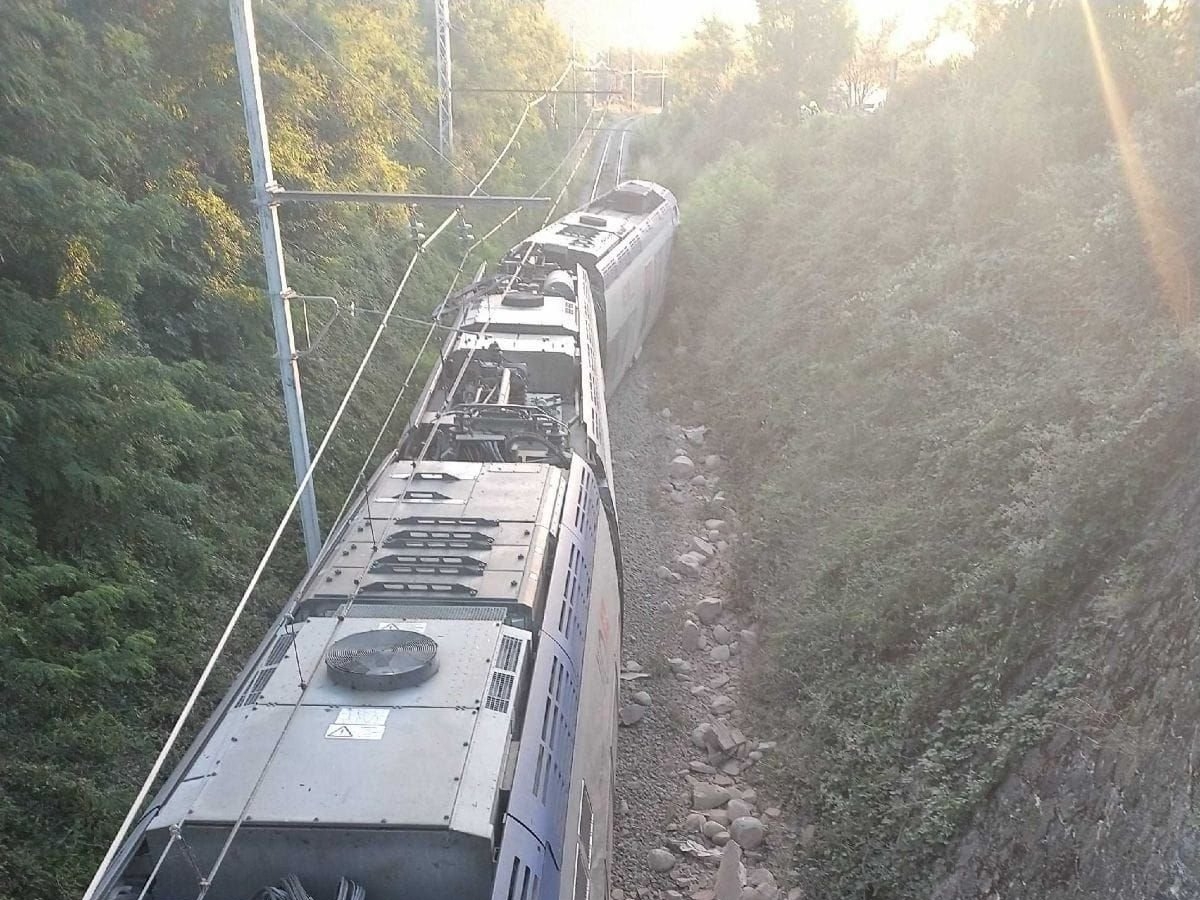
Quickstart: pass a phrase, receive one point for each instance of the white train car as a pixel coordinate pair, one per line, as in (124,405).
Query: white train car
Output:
(433,714)
(623,240)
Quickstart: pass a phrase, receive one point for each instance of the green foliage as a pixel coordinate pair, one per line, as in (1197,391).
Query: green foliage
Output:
(801,46)
(954,400)
(143,459)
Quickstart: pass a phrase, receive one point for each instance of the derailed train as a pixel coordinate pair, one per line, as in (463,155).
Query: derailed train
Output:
(433,715)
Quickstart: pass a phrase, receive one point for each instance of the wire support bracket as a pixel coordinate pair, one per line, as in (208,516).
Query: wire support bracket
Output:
(283,195)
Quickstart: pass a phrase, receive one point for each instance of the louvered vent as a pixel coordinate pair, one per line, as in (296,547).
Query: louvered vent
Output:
(500,691)
(504,675)
(510,653)
(275,656)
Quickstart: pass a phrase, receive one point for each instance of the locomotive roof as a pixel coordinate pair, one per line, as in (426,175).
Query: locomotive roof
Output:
(600,226)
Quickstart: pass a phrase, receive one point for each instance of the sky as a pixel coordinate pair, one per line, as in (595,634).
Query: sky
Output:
(663,25)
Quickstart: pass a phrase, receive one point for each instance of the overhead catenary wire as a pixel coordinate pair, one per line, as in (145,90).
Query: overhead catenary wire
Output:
(512,281)
(240,608)
(273,543)
(408,120)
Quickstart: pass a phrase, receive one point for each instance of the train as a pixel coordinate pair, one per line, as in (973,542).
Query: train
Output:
(433,714)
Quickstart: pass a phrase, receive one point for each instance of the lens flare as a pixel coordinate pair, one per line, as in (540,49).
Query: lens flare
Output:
(1164,245)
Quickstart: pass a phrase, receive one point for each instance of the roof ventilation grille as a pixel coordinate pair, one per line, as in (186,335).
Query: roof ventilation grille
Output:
(523,299)
(382,660)
(595,221)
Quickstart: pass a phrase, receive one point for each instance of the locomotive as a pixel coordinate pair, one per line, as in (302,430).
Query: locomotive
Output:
(433,714)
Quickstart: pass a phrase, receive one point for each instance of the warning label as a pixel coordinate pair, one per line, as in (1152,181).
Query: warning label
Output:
(355,732)
(361,715)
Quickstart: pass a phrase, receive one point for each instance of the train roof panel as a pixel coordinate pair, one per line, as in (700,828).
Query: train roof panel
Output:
(318,751)
(519,312)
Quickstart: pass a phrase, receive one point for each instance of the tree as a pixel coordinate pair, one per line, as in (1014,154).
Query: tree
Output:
(800,47)
(871,66)
(703,69)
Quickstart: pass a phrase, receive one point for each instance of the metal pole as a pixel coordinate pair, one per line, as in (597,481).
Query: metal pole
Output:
(632,81)
(242,17)
(445,95)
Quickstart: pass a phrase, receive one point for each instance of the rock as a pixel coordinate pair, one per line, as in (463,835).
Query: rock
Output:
(764,746)
(722,547)
(748,638)
(702,768)
(624,807)
(730,875)
(632,713)
(737,808)
(714,524)
(719,815)
(709,610)
(663,573)
(748,831)
(722,705)
(698,480)
(666,414)
(679,666)
(754,755)
(720,653)
(708,796)
(749,795)
(716,503)
(721,838)
(698,689)
(641,698)
(760,876)
(795,894)
(709,828)
(773,812)
(703,547)
(682,467)
(714,537)
(660,860)
(731,767)
(617,894)
(695,435)
(694,822)
(700,735)
(721,635)
(632,665)
(719,681)
(690,564)
(712,461)
(691,637)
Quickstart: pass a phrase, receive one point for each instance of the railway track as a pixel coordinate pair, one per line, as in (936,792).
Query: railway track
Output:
(610,165)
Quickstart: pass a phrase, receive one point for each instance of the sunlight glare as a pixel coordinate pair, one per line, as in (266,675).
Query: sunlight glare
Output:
(1163,243)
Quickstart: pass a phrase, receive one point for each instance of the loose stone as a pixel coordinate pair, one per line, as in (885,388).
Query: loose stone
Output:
(660,860)
(708,610)
(632,713)
(748,831)
(720,653)
(721,705)
(708,796)
(642,698)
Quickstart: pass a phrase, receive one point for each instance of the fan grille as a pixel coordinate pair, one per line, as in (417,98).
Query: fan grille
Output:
(382,660)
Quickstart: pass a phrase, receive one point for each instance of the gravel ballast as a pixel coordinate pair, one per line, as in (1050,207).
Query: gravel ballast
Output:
(682,757)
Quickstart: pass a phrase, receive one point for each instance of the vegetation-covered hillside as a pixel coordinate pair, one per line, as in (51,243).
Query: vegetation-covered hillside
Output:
(143,458)
(952,348)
